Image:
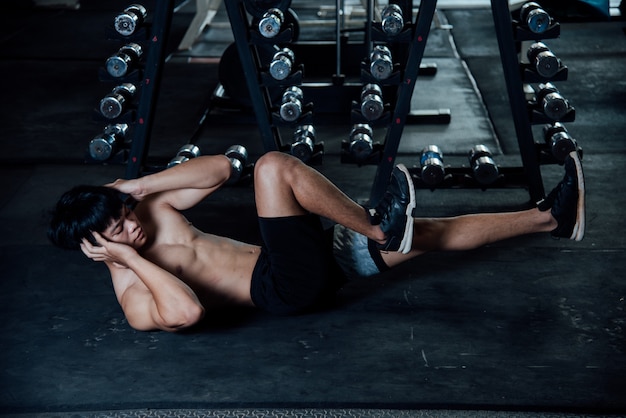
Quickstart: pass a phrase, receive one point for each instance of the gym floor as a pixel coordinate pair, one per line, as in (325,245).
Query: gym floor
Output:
(527,327)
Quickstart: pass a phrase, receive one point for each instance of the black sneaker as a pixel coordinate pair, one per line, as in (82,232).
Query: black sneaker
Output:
(567,201)
(394,212)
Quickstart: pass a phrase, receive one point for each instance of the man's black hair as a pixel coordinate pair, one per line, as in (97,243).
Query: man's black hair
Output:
(80,211)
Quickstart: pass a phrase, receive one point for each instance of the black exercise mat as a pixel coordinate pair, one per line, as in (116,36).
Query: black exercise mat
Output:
(485,328)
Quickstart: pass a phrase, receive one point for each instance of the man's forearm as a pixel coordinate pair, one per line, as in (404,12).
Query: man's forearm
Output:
(176,302)
(198,173)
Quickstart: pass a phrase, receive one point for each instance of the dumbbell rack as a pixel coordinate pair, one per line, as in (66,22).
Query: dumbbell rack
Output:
(414,35)
(246,41)
(153,35)
(417,44)
(511,34)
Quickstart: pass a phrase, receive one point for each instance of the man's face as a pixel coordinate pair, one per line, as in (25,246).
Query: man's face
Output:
(126,230)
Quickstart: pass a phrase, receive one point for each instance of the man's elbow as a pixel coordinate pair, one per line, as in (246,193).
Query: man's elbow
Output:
(185,318)
(193,315)
(175,321)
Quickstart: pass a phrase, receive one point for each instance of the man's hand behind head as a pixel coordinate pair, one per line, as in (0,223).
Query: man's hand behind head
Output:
(131,188)
(107,251)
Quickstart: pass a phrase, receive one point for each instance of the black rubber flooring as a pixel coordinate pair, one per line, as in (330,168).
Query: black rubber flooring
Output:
(527,326)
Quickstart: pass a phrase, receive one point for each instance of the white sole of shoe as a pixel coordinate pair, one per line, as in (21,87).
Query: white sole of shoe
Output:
(407,239)
(579,227)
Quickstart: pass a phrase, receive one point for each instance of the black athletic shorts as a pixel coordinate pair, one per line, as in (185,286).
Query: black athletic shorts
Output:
(296,271)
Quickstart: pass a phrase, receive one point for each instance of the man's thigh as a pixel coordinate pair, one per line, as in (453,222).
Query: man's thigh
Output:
(297,270)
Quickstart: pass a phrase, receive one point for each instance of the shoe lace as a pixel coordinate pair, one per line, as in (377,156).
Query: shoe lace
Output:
(384,207)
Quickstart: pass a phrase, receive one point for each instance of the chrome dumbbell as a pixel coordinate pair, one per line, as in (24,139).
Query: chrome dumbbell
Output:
(303,143)
(381,64)
(534,17)
(392,19)
(559,140)
(432,171)
(116,102)
(483,165)
(552,103)
(282,63)
(127,22)
(109,142)
(291,104)
(185,153)
(270,23)
(361,141)
(124,60)
(372,105)
(238,156)
(543,60)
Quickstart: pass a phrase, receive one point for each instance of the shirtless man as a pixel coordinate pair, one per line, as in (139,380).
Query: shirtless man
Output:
(165,272)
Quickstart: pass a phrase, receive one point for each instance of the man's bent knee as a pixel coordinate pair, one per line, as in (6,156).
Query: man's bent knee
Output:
(273,167)
(273,190)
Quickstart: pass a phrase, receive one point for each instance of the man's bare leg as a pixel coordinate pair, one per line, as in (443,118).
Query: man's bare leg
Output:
(562,213)
(284,186)
(468,232)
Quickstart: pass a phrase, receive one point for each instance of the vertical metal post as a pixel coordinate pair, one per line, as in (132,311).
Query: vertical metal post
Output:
(150,89)
(338,26)
(368,26)
(260,105)
(517,99)
(403,103)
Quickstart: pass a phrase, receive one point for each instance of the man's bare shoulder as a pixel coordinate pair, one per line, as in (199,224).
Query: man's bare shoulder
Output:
(153,206)
(157,216)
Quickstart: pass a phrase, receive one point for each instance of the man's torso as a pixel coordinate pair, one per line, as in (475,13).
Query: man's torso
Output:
(218,269)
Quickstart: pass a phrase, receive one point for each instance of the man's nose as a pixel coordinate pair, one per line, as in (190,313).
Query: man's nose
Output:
(132,224)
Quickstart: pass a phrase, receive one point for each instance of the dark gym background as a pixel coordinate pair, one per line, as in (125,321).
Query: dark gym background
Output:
(530,326)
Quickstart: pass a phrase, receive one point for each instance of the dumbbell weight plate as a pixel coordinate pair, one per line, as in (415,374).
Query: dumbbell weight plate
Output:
(532,15)
(303,149)
(392,19)
(485,170)
(271,23)
(112,105)
(280,68)
(291,110)
(361,146)
(554,106)
(238,155)
(433,171)
(562,145)
(102,147)
(381,68)
(118,64)
(547,64)
(291,18)
(238,152)
(189,151)
(372,107)
(127,22)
